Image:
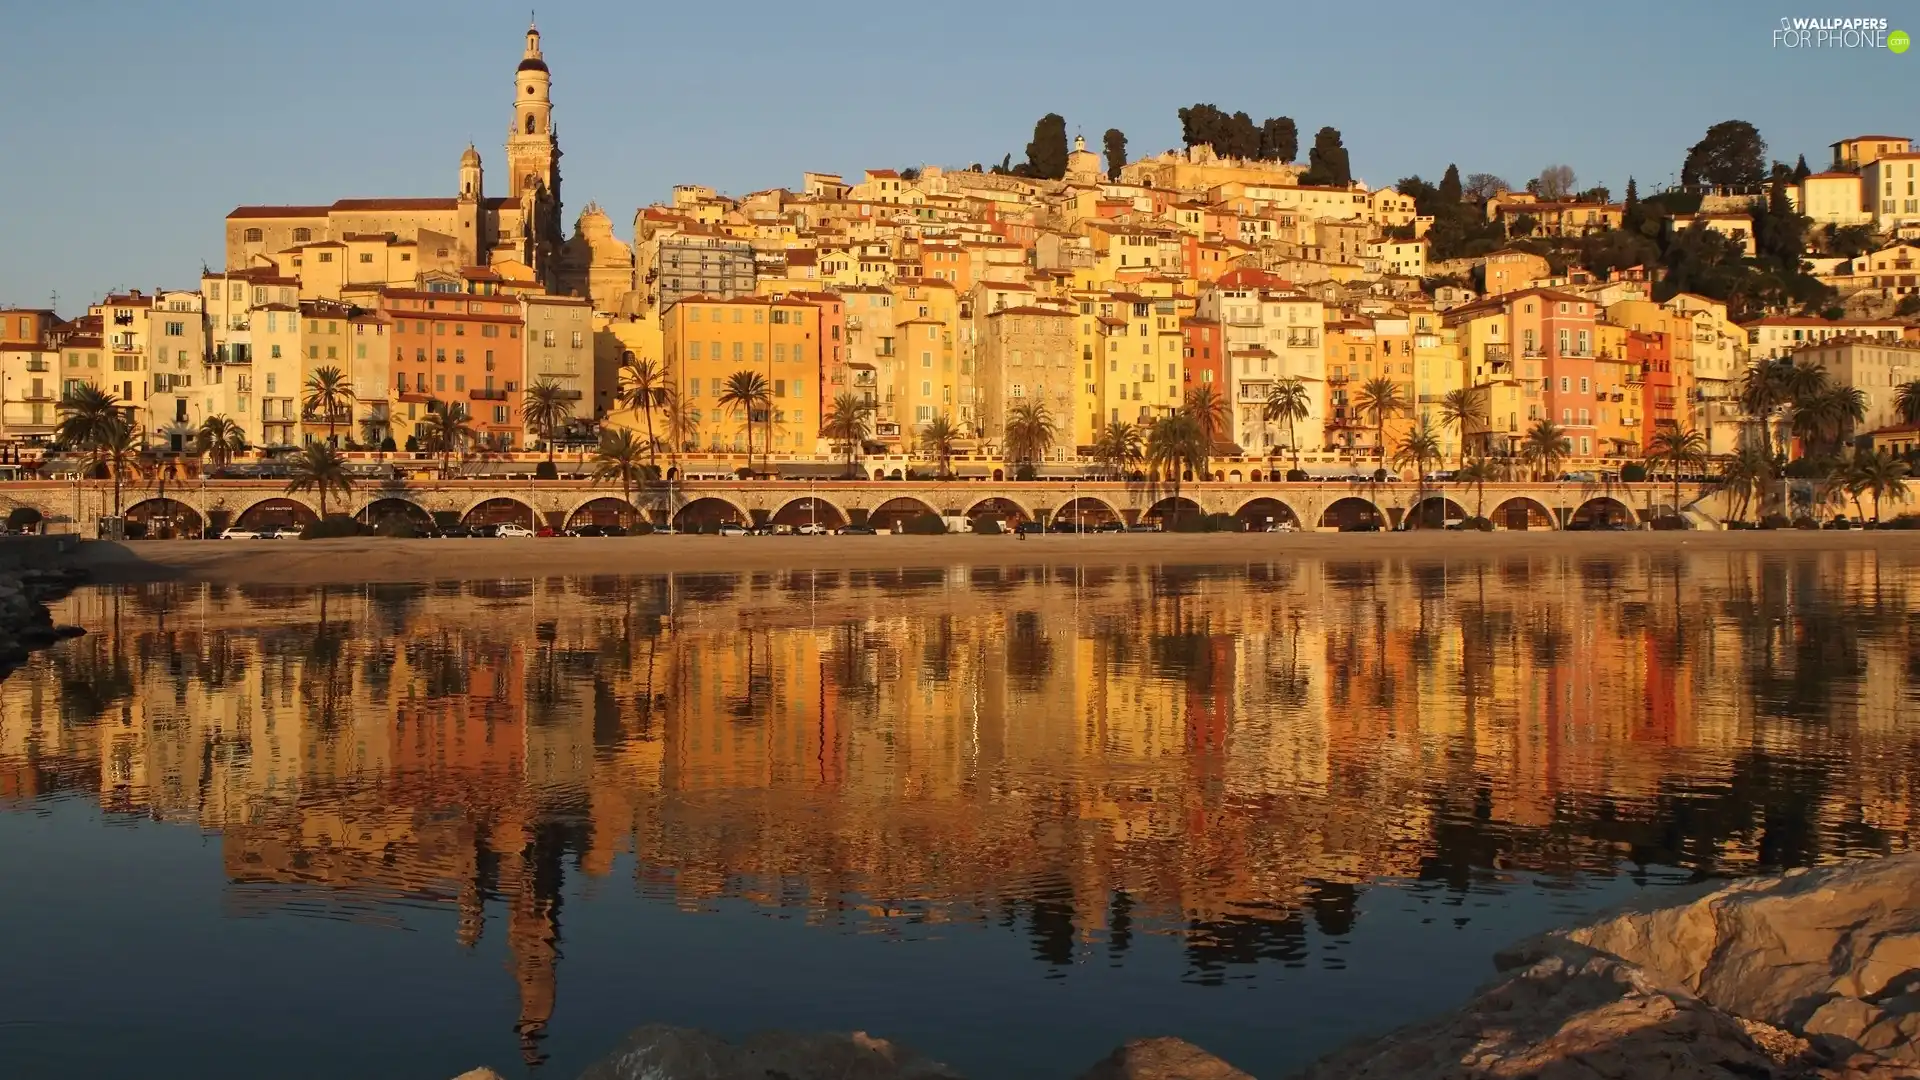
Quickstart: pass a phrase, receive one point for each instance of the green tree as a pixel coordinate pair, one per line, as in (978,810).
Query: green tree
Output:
(1825,419)
(1289,401)
(1119,448)
(88,416)
(321,469)
(1114,142)
(446,430)
(1906,401)
(1882,475)
(1851,241)
(1279,139)
(1381,399)
(376,427)
(327,393)
(219,438)
(1556,182)
(1327,163)
(1800,170)
(848,425)
(1465,411)
(1732,153)
(937,442)
(1175,445)
(1030,432)
(1763,391)
(545,407)
(1450,190)
(1678,449)
(683,433)
(746,394)
(1047,153)
(624,457)
(1745,476)
(119,453)
(1208,410)
(1483,186)
(643,386)
(1419,449)
(1476,474)
(1544,447)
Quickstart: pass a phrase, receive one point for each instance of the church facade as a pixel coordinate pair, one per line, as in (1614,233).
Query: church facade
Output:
(521,227)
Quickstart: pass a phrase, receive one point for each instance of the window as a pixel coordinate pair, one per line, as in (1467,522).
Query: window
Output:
(1563,384)
(693,350)
(693,387)
(489,359)
(577,340)
(440,383)
(326,256)
(360,351)
(459,356)
(253,236)
(546,338)
(271,378)
(459,382)
(367,256)
(1583,384)
(499,414)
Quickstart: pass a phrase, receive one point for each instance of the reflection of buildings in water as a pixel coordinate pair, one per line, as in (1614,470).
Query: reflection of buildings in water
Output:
(1225,754)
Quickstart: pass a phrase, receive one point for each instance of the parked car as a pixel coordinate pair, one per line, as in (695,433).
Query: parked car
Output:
(1143,526)
(1027,528)
(276,533)
(730,529)
(546,530)
(812,528)
(854,530)
(760,530)
(1111,527)
(1283,526)
(589,529)
(512,531)
(1361,526)
(483,532)
(455,531)
(665,530)
(240,534)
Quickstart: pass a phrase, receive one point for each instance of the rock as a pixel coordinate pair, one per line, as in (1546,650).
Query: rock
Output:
(1571,1014)
(1831,954)
(1162,1059)
(663,1052)
(479,1074)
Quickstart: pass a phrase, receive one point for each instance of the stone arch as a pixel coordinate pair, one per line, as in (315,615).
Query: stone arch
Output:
(1520,513)
(1351,512)
(999,475)
(1233,476)
(1087,510)
(1434,511)
(1001,509)
(602,510)
(1258,514)
(1253,477)
(1601,510)
(166,519)
(1169,508)
(278,512)
(709,511)
(811,509)
(896,511)
(501,510)
(879,474)
(391,506)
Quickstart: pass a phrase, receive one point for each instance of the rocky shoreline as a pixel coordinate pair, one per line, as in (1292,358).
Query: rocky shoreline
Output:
(1810,975)
(25,623)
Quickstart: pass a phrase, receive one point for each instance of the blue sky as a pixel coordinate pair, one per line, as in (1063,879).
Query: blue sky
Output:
(131,129)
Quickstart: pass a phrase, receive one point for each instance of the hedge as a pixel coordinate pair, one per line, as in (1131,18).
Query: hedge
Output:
(985,526)
(925,525)
(335,525)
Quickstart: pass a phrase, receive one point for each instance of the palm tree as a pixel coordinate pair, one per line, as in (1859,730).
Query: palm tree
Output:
(1745,477)
(1381,398)
(623,456)
(118,452)
(1762,392)
(445,430)
(1906,402)
(643,386)
(1477,473)
(327,391)
(1209,413)
(937,441)
(219,439)
(1544,447)
(1882,474)
(1289,401)
(1030,432)
(849,423)
(682,431)
(545,407)
(747,393)
(88,416)
(375,428)
(1464,410)
(1823,419)
(1420,447)
(1119,447)
(320,468)
(1175,445)
(1677,448)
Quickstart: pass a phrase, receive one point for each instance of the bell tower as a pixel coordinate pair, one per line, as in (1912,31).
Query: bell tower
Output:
(533,156)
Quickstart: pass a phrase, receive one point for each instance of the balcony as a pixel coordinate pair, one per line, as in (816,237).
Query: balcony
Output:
(36,365)
(485,394)
(37,395)
(1306,340)
(1618,396)
(1337,380)
(1499,354)
(568,395)
(317,416)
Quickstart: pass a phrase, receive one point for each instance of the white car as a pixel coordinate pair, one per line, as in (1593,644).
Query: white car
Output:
(812,528)
(730,529)
(1284,526)
(240,534)
(515,531)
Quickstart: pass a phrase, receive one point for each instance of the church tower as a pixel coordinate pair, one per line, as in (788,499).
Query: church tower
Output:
(533,157)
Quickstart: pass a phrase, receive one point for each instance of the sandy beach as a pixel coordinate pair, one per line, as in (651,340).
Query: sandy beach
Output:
(378,559)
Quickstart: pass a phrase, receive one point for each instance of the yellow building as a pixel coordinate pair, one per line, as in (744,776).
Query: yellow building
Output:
(706,341)
(1027,357)
(1834,198)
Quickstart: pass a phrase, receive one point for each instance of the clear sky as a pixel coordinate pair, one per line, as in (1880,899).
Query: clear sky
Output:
(131,129)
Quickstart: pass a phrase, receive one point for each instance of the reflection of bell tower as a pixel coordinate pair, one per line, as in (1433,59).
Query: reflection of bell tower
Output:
(533,157)
(533,935)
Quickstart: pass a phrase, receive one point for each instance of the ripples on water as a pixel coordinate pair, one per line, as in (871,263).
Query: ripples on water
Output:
(1250,764)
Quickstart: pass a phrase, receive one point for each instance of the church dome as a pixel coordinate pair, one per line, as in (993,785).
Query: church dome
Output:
(470,158)
(533,63)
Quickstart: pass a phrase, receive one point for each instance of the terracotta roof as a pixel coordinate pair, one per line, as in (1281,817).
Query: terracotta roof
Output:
(1030,309)
(277,211)
(1831,175)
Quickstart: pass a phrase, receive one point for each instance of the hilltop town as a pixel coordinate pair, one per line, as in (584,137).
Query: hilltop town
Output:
(1044,314)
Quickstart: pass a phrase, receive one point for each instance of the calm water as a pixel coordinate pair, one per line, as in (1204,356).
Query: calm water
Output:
(1009,817)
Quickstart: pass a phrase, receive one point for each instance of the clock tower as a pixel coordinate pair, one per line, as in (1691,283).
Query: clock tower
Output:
(533,157)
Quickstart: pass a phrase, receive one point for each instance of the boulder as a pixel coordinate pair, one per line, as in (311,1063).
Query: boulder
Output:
(1831,954)
(663,1052)
(1162,1059)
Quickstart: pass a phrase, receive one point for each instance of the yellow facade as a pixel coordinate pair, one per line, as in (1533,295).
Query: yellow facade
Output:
(707,341)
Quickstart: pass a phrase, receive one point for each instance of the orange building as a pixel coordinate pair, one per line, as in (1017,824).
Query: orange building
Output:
(461,348)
